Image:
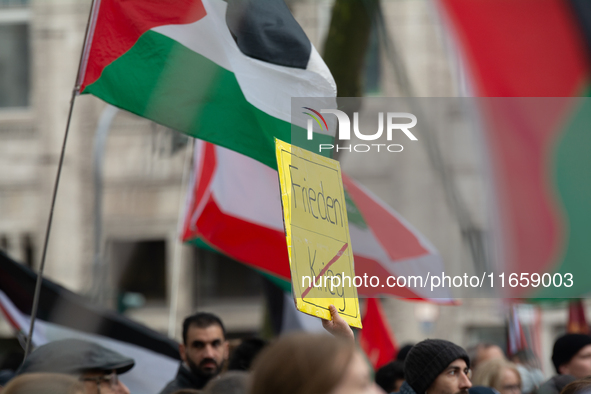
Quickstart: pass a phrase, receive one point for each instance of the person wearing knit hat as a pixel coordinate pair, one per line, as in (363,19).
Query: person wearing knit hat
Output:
(436,366)
(571,357)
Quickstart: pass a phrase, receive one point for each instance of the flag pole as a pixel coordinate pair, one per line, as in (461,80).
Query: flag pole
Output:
(178,245)
(75,92)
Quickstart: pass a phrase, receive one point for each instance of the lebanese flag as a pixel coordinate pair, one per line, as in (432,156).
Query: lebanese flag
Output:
(63,314)
(221,71)
(530,58)
(376,339)
(234,207)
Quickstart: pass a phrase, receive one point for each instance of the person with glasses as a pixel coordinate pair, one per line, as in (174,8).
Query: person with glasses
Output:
(44,383)
(96,366)
(103,382)
(436,366)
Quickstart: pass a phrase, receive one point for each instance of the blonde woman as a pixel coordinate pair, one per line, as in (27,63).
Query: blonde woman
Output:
(500,375)
(312,364)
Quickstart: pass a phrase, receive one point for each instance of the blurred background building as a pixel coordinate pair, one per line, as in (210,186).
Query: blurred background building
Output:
(115,230)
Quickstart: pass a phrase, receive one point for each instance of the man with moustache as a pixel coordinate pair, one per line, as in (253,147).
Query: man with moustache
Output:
(204,351)
(436,366)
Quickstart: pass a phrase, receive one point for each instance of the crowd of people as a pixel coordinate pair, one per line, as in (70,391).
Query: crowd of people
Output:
(307,364)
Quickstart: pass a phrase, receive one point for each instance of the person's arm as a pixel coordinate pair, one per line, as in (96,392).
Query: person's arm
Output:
(337,326)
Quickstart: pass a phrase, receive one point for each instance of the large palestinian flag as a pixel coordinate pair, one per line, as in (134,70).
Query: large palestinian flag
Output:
(535,53)
(63,314)
(222,71)
(234,207)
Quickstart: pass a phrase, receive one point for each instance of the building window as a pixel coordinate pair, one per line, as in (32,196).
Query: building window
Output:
(496,335)
(139,267)
(19,247)
(4,243)
(28,250)
(14,54)
(219,277)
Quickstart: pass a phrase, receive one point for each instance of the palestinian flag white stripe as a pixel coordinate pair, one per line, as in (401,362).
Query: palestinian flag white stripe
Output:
(269,87)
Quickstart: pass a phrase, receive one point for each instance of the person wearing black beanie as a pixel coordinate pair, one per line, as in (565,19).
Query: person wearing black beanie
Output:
(571,357)
(436,366)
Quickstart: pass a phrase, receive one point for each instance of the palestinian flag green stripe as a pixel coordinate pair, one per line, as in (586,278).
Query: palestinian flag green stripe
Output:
(530,57)
(182,89)
(572,179)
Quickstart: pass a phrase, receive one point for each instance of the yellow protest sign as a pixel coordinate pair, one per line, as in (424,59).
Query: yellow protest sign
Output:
(317,232)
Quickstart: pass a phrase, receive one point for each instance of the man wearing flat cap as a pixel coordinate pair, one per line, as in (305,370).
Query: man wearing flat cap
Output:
(571,357)
(98,367)
(436,366)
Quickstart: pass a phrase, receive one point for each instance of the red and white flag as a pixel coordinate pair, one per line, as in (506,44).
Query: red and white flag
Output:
(234,207)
